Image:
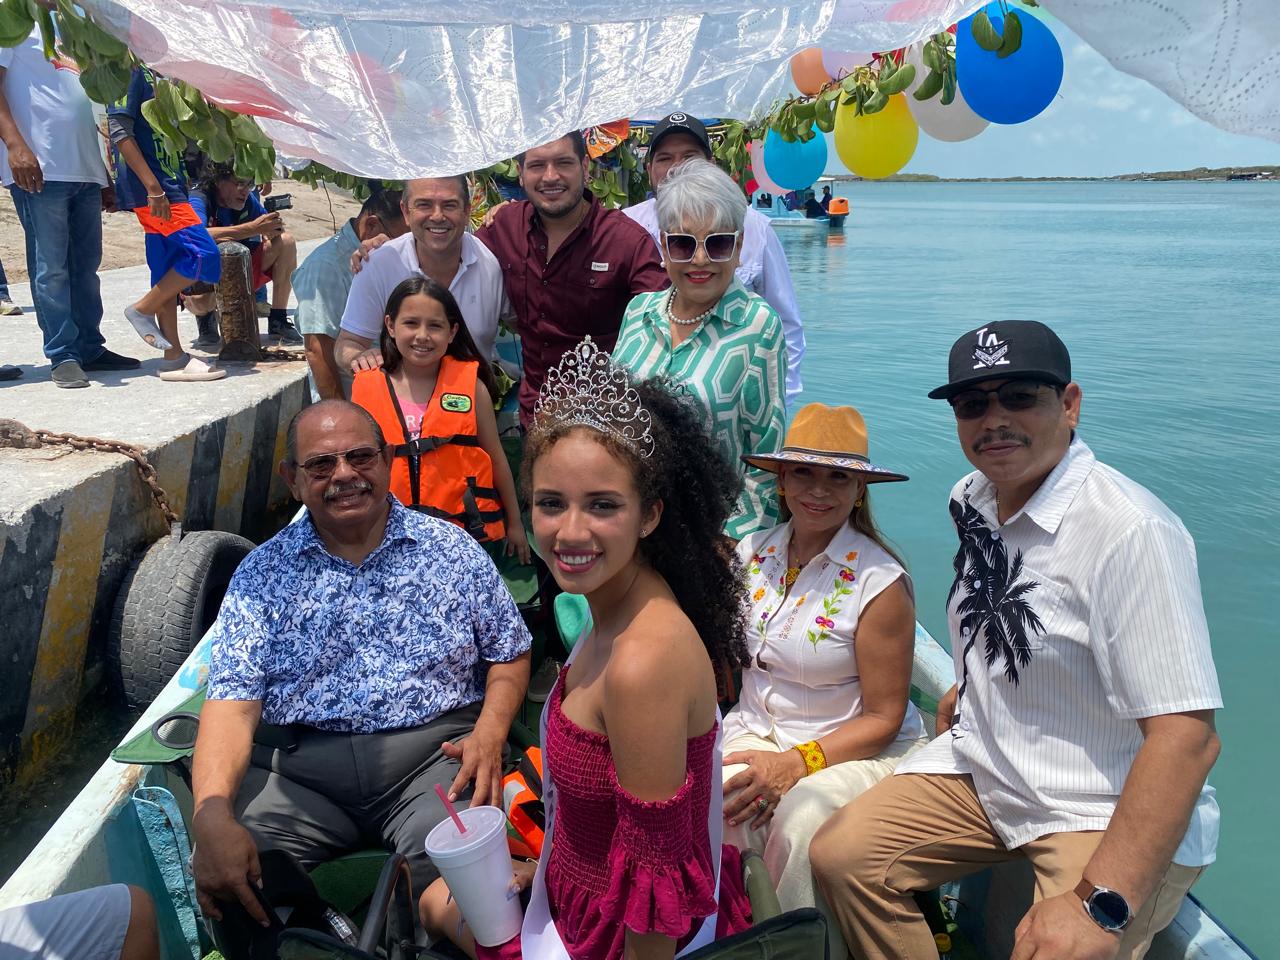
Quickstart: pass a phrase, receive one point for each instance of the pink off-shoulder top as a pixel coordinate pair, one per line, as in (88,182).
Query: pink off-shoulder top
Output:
(619,863)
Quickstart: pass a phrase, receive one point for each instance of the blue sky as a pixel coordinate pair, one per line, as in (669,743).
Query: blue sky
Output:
(1103,122)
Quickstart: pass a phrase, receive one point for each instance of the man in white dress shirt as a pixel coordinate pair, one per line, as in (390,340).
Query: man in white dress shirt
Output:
(762,265)
(438,245)
(1080,731)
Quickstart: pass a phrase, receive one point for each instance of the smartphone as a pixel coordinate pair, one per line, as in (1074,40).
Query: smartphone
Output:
(278,201)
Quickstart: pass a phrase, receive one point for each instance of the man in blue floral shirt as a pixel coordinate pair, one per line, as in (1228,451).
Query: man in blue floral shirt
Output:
(362,656)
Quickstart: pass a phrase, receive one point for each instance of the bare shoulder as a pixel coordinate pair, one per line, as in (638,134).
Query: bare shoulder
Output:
(658,657)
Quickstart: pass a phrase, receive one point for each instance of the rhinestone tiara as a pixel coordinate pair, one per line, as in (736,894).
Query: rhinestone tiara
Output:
(586,388)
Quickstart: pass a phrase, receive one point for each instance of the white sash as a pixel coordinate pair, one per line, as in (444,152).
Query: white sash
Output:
(539,939)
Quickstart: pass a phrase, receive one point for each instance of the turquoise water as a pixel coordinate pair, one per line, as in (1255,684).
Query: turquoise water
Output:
(1165,294)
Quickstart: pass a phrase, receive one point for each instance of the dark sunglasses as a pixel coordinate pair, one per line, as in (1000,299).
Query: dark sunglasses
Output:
(1014,396)
(322,467)
(682,247)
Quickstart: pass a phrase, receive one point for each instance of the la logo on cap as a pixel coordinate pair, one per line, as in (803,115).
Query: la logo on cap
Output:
(677,118)
(989,350)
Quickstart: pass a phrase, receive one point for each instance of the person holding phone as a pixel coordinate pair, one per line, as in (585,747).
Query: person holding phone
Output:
(233,210)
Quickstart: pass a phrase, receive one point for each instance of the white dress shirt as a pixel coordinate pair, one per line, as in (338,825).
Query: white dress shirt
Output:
(762,269)
(477,286)
(1100,624)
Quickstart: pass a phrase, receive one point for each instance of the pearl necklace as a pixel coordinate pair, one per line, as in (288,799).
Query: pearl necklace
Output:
(672,318)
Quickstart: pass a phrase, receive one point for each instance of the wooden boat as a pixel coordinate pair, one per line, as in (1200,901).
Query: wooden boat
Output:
(100,838)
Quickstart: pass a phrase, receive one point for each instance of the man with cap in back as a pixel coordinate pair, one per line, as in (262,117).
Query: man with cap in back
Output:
(1080,731)
(762,265)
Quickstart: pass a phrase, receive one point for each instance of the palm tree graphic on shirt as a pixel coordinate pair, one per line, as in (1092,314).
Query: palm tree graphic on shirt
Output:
(996,600)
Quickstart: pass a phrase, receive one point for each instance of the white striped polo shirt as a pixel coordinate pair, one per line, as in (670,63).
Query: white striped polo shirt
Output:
(1069,622)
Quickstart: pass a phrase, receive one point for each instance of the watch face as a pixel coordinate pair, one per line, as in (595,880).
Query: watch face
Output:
(1109,909)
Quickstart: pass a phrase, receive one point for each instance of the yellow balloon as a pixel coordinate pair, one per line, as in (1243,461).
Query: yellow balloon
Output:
(879,144)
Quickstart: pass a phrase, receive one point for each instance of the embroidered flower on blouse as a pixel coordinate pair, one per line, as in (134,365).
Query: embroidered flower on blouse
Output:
(800,599)
(771,550)
(851,556)
(846,576)
(758,595)
(824,622)
(757,558)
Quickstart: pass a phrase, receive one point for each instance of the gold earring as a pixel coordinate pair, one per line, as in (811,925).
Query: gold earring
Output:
(858,502)
(781,492)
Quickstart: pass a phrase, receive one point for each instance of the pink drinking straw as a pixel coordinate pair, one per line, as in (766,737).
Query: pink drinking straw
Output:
(457,820)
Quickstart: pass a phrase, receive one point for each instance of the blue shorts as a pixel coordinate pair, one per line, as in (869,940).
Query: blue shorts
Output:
(89,925)
(190,251)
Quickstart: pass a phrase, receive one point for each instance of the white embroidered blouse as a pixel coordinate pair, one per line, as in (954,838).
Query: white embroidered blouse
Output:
(810,684)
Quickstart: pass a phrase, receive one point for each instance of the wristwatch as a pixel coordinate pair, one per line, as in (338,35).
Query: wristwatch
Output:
(1105,907)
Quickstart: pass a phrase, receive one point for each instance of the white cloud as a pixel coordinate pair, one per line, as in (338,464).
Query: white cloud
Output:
(1178,117)
(1117,102)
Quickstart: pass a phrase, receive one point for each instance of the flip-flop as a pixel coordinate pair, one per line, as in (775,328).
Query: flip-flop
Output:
(195,370)
(147,328)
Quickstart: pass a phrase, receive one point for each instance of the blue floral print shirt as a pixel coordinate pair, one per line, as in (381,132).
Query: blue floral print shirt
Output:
(392,643)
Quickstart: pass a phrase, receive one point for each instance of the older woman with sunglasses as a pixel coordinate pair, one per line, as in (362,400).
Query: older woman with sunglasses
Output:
(708,334)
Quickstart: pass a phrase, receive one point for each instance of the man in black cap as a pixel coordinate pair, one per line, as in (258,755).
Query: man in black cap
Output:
(1080,730)
(762,265)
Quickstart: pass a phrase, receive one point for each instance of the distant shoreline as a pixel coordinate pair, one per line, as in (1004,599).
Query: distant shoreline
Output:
(1265,174)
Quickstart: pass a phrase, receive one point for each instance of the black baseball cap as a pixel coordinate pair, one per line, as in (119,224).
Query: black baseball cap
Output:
(680,123)
(1005,349)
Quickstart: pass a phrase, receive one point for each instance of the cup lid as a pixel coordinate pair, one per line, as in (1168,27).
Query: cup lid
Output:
(481,822)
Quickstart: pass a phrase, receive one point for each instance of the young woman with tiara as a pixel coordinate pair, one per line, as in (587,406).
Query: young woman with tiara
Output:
(628,497)
(432,397)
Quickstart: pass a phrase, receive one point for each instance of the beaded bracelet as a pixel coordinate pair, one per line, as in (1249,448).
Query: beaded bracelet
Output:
(814,757)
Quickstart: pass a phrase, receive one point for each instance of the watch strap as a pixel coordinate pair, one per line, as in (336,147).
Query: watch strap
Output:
(1084,890)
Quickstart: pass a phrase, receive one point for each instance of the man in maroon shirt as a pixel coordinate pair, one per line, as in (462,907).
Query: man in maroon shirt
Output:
(569,265)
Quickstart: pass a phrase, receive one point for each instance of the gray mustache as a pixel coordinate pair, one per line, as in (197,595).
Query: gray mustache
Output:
(339,490)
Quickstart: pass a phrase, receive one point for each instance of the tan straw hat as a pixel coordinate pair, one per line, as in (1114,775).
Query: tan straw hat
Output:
(831,437)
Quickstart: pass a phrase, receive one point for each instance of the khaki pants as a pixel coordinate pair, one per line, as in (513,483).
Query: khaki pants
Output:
(784,841)
(915,832)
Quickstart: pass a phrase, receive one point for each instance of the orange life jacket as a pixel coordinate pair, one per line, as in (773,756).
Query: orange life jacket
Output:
(445,472)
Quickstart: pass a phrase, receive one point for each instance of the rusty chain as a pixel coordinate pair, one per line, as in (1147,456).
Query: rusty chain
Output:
(20,436)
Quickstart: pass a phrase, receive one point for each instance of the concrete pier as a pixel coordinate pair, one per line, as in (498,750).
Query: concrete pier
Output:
(71,522)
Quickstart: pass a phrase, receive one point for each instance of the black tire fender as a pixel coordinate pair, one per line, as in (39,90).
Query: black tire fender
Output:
(168,599)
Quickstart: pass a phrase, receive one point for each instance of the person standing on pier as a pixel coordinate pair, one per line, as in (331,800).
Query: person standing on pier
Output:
(53,168)
(151,181)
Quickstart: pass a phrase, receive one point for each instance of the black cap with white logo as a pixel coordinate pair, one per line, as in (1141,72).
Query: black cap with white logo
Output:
(680,123)
(1006,350)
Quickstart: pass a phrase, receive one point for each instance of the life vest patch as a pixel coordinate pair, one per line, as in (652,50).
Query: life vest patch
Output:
(455,402)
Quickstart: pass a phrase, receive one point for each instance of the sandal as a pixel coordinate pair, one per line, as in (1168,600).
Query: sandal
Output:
(193,371)
(147,328)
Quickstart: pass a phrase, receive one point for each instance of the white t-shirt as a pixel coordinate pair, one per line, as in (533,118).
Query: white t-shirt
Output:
(477,286)
(806,638)
(52,113)
(762,269)
(1095,584)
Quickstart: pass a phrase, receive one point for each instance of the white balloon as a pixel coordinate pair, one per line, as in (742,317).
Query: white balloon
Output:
(951,123)
(839,63)
(756,151)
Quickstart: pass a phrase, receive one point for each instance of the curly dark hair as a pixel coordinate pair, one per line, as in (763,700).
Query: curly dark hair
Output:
(698,489)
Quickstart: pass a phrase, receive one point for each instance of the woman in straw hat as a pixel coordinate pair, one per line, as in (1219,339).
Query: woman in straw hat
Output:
(824,712)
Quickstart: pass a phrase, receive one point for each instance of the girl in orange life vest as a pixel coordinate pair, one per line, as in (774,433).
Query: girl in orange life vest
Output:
(432,397)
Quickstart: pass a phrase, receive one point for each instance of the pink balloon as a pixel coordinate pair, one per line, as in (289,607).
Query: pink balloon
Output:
(756,151)
(839,64)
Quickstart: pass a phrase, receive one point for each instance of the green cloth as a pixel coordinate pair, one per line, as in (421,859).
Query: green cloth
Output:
(735,365)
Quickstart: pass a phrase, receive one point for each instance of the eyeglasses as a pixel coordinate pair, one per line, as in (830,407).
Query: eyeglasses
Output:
(322,467)
(682,247)
(1014,396)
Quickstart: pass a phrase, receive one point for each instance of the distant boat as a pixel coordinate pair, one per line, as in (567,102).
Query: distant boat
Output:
(782,216)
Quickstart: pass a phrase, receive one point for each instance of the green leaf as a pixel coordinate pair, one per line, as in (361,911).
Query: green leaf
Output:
(102,42)
(48,35)
(948,88)
(930,87)
(898,81)
(929,53)
(875,103)
(153,112)
(984,33)
(1012,35)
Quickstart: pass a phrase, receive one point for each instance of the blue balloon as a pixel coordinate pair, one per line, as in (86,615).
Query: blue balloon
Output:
(1018,87)
(794,165)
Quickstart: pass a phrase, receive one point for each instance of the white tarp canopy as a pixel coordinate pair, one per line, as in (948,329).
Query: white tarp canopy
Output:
(394,89)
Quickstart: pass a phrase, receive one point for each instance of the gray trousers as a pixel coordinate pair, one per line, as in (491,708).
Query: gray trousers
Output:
(325,794)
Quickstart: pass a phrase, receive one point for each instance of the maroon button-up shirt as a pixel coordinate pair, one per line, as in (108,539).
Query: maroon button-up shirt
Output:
(583,290)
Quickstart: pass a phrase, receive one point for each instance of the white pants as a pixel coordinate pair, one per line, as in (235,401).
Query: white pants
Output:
(88,925)
(784,841)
